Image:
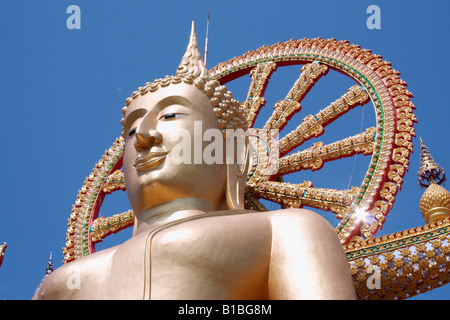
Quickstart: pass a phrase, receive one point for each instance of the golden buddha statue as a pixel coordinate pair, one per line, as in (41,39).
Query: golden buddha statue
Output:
(193,238)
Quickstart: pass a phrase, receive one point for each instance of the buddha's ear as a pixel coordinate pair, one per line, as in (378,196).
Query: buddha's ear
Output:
(237,175)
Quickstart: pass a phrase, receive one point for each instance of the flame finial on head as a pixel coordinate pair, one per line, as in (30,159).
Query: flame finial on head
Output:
(192,71)
(192,61)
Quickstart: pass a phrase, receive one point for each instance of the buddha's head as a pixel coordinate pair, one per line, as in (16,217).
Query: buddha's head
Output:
(172,112)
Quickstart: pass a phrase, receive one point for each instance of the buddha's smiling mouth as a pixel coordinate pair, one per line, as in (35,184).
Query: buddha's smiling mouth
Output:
(151,160)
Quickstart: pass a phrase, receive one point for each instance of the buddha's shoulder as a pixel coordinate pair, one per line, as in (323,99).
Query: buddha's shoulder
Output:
(297,218)
(301,226)
(294,224)
(299,215)
(65,282)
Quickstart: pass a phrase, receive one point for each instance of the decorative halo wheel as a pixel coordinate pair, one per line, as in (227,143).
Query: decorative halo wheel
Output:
(362,210)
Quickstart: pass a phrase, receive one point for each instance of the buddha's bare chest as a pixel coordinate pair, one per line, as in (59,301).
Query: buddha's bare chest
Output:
(206,260)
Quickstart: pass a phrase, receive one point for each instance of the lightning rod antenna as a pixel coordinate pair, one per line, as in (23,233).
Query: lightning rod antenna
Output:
(206,41)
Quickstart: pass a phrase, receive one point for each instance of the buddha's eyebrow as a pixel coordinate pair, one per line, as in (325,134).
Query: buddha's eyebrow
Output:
(168,101)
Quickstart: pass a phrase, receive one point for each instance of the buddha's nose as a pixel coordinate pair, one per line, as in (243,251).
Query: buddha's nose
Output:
(146,140)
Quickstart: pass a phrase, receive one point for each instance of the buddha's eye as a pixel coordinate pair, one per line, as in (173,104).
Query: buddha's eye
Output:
(133,131)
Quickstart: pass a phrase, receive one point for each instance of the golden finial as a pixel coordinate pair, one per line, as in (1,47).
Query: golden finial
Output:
(192,61)
(435,202)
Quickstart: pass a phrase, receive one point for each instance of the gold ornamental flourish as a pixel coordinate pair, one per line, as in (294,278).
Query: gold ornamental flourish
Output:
(284,109)
(103,227)
(406,263)
(254,102)
(312,126)
(114,182)
(314,157)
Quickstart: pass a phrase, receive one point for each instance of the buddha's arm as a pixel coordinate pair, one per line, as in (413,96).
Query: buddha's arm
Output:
(307,259)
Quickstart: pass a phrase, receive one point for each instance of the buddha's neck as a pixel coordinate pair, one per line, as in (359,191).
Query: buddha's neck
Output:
(173,210)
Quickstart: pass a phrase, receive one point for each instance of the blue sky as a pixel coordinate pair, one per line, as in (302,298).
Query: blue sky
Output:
(62,92)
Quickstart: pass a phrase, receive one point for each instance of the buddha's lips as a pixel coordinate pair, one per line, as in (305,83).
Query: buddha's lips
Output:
(150,161)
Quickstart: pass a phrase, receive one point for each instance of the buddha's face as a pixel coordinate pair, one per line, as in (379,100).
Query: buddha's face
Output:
(152,170)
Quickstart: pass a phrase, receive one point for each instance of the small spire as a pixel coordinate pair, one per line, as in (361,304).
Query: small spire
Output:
(430,171)
(2,252)
(206,40)
(49,268)
(192,61)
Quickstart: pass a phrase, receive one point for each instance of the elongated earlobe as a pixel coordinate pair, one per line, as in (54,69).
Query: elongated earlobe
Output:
(236,179)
